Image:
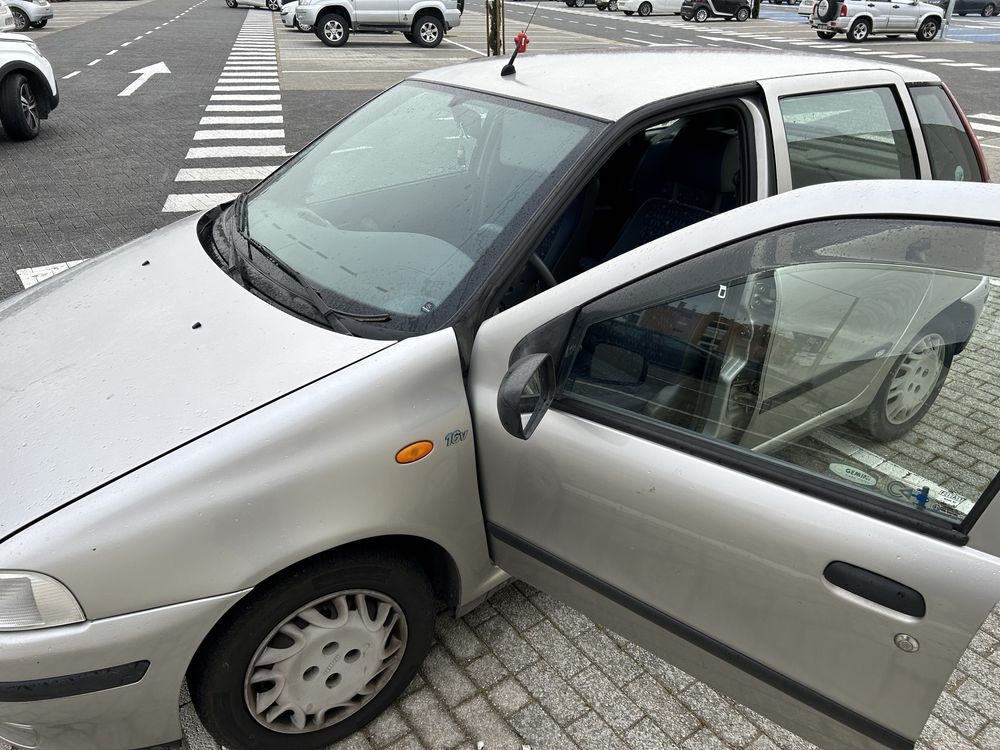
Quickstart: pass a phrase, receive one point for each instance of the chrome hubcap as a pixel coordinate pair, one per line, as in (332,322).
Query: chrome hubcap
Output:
(701,15)
(915,378)
(928,31)
(428,31)
(325,662)
(333,30)
(29,107)
(20,22)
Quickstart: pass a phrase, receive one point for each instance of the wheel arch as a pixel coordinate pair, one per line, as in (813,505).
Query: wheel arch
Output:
(43,91)
(429,10)
(340,8)
(867,17)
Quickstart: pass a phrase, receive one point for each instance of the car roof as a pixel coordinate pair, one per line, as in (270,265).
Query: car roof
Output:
(610,84)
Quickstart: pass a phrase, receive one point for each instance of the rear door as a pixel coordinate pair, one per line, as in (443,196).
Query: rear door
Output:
(825,579)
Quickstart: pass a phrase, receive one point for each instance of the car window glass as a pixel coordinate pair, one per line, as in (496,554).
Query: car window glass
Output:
(951,153)
(861,352)
(846,135)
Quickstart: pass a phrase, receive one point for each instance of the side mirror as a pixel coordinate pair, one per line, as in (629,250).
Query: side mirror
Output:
(526,392)
(614,365)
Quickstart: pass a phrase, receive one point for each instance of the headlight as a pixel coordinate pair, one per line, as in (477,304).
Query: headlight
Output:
(29,601)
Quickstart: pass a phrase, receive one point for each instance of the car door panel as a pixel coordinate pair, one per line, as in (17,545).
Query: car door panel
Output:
(722,564)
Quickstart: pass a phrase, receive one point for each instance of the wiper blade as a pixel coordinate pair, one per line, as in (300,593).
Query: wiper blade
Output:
(330,314)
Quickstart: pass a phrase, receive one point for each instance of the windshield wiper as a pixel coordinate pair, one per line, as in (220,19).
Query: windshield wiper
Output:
(331,315)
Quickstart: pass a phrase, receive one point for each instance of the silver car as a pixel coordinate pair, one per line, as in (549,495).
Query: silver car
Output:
(32,14)
(257,446)
(271,5)
(6,17)
(859,19)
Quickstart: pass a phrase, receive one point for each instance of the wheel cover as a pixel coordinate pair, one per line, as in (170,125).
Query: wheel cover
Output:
(333,30)
(701,15)
(859,30)
(29,106)
(989,10)
(428,31)
(928,30)
(325,662)
(20,21)
(915,377)
(645,9)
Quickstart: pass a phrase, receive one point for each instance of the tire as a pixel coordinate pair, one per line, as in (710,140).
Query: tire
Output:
(427,31)
(742,14)
(19,113)
(826,10)
(701,15)
(378,607)
(859,30)
(889,416)
(928,30)
(40,24)
(21,22)
(579,3)
(645,9)
(613,6)
(826,34)
(273,5)
(409,37)
(989,10)
(231,3)
(333,30)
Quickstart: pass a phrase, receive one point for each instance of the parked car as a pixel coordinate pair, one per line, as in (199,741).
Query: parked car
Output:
(271,5)
(805,7)
(6,17)
(579,3)
(649,7)
(859,19)
(611,5)
(964,7)
(32,14)
(288,16)
(423,22)
(336,399)
(702,10)
(28,91)
(789,2)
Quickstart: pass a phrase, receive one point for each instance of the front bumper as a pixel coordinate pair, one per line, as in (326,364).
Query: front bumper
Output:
(452,18)
(110,684)
(307,15)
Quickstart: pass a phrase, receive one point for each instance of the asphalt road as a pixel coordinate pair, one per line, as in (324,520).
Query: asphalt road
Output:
(109,168)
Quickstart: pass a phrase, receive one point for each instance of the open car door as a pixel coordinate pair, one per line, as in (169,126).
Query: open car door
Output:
(746,446)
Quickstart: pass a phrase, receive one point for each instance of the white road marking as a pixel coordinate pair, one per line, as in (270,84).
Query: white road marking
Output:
(984,116)
(985,128)
(247,74)
(223,174)
(962,65)
(144,75)
(195,201)
(243,108)
(74,73)
(92,63)
(237,120)
(112,52)
(247,88)
(245,97)
(31,276)
(225,135)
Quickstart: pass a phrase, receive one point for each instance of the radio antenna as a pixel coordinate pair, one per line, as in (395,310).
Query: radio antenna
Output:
(520,44)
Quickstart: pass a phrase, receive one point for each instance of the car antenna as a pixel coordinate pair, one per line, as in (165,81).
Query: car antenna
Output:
(520,44)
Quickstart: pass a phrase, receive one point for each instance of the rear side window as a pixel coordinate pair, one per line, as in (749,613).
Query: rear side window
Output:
(952,154)
(846,135)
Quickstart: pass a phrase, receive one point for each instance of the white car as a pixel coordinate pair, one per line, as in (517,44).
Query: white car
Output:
(649,7)
(806,7)
(271,5)
(6,17)
(28,91)
(288,16)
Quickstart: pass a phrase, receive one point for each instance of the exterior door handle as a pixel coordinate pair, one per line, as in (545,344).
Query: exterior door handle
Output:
(876,588)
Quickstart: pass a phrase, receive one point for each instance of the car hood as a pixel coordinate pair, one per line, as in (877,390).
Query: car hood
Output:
(130,355)
(9,36)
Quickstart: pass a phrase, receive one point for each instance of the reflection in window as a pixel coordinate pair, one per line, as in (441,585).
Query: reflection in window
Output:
(876,374)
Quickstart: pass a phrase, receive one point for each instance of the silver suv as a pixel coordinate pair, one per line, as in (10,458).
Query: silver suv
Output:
(859,19)
(423,22)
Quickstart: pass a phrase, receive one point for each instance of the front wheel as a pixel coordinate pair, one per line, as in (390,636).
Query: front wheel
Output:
(427,31)
(859,31)
(231,3)
(826,34)
(314,654)
(928,30)
(19,113)
(645,9)
(701,15)
(273,5)
(912,384)
(613,6)
(332,30)
(21,21)
(742,14)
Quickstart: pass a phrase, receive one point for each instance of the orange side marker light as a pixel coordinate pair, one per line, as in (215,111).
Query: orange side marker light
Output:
(414,452)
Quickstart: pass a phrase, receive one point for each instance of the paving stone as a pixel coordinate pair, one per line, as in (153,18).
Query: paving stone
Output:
(507,644)
(608,657)
(509,696)
(560,700)
(460,640)
(539,730)
(989,737)
(590,733)
(431,721)
(672,678)
(483,724)
(556,650)
(958,715)
(604,697)
(516,607)
(974,693)
(719,714)
(703,740)
(647,736)
(938,736)
(762,743)
(354,742)
(409,742)
(664,709)
(567,619)
(446,678)
(487,671)
(388,727)
(480,614)
(195,735)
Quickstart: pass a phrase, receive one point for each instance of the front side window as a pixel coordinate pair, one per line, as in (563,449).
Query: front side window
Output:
(951,152)
(863,352)
(404,205)
(846,135)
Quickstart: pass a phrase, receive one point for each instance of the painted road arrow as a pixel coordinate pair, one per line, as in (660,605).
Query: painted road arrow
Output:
(144,75)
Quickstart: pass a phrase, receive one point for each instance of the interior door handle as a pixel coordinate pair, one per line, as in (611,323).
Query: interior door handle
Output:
(876,588)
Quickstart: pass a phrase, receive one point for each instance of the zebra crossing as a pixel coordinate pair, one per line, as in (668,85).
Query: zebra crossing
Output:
(243,120)
(985,124)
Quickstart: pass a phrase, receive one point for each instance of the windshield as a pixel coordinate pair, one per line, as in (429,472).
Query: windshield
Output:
(405,205)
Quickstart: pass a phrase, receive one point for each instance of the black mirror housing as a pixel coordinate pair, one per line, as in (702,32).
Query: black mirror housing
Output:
(525,394)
